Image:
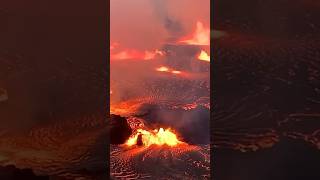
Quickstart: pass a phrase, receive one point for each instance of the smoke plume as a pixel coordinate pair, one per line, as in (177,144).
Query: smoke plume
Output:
(172,24)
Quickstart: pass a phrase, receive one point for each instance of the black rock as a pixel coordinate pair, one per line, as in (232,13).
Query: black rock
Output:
(139,140)
(120,130)
(11,172)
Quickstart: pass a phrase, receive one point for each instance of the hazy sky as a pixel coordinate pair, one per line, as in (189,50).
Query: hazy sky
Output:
(141,24)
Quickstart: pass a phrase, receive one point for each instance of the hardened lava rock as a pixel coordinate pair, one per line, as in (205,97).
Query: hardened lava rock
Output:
(120,130)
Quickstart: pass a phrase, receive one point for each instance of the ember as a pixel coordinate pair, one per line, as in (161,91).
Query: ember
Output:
(158,137)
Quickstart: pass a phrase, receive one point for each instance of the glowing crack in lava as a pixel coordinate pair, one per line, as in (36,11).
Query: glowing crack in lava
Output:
(158,137)
(166,69)
(200,37)
(203,56)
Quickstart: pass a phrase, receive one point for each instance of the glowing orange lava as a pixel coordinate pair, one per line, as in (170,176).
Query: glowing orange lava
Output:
(158,137)
(203,56)
(163,69)
(168,70)
(201,36)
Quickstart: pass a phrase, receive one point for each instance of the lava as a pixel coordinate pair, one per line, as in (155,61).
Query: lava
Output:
(168,70)
(158,137)
(203,56)
(176,72)
(136,54)
(201,36)
(163,69)
(126,108)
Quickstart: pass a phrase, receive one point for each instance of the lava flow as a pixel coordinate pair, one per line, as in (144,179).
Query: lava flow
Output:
(168,70)
(158,137)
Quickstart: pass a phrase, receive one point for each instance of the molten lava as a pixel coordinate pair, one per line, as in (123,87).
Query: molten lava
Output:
(168,70)
(176,72)
(201,36)
(157,137)
(203,56)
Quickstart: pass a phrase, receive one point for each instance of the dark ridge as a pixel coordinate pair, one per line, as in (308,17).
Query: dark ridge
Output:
(12,173)
(289,159)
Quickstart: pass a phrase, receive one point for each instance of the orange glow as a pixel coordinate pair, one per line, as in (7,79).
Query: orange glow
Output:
(163,69)
(158,137)
(168,70)
(176,72)
(113,45)
(127,55)
(152,54)
(201,36)
(135,54)
(203,56)
(126,108)
(161,53)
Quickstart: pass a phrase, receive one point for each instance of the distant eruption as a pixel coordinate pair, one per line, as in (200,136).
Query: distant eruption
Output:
(200,37)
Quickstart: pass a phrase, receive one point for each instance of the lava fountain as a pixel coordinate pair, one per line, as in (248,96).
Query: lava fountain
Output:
(157,137)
